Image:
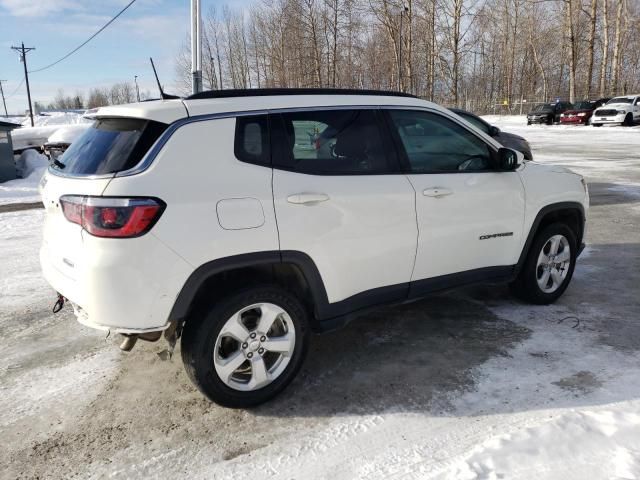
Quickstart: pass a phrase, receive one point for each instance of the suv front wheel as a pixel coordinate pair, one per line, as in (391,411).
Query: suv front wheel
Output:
(549,265)
(248,347)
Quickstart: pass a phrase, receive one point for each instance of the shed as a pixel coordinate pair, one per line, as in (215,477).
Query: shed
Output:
(7,165)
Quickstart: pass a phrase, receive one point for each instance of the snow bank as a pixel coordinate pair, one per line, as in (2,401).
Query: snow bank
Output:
(68,134)
(31,136)
(56,118)
(71,123)
(31,165)
(577,445)
(506,120)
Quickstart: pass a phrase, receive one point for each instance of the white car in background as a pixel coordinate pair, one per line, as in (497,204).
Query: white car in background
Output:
(623,110)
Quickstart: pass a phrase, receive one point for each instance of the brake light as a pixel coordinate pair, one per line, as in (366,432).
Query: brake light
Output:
(112,217)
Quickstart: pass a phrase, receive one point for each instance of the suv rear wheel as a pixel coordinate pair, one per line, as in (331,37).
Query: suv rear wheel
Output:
(248,347)
(549,265)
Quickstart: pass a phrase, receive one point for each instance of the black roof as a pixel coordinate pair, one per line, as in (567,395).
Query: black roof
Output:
(263,92)
(9,124)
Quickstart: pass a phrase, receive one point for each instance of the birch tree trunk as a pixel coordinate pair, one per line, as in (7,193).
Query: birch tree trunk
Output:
(593,16)
(616,48)
(605,48)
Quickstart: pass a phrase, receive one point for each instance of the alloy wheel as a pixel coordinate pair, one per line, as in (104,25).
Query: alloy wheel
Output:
(254,347)
(553,263)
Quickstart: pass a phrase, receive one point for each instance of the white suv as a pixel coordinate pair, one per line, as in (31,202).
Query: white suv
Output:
(623,110)
(241,221)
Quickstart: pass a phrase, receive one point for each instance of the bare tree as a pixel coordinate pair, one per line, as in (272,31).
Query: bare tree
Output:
(488,55)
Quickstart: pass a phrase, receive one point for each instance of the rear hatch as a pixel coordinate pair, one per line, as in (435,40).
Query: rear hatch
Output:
(109,146)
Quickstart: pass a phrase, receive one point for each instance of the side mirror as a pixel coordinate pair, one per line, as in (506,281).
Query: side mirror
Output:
(509,160)
(494,131)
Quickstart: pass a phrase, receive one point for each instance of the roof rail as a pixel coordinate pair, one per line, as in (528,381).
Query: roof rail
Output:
(263,92)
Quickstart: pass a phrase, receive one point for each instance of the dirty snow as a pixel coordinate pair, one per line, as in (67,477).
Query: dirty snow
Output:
(468,385)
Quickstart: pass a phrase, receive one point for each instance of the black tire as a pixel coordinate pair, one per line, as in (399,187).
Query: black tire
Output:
(628,120)
(550,120)
(528,123)
(201,332)
(596,124)
(526,285)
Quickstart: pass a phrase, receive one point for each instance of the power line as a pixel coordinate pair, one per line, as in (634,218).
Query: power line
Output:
(87,40)
(16,89)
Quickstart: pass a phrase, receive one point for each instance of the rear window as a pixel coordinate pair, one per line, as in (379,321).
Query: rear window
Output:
(111,145)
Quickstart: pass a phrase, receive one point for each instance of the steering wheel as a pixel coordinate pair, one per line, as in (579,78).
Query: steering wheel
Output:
(473,163)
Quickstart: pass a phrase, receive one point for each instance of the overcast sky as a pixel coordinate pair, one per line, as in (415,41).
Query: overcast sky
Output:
(149,28)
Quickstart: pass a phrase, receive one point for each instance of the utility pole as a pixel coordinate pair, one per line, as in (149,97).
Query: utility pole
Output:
(3,101)
(196,47)
(135,79)
(23,56)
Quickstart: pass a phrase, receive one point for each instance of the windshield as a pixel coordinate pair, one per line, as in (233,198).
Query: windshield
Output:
(583,106)
(475,121)
(620,100)
(111,145)
(543,108)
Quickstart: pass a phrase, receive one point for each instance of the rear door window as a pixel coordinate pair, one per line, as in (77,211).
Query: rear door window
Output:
(331,142)
(110,145)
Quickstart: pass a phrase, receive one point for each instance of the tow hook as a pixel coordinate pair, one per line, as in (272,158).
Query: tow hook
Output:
(59,304)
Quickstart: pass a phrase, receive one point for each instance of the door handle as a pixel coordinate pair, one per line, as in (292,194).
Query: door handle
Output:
(436,192)
(307,198)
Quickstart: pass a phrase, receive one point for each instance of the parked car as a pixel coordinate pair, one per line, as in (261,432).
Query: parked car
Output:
(581,112)
(62,138)
(242,250)
(510,140)
(623,110)
(32,138)
(548,113)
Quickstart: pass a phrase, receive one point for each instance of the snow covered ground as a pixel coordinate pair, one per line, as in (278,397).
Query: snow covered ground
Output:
(466,385)
(32,166)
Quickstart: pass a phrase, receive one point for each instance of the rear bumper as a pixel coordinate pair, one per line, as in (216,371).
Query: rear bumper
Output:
(127,286)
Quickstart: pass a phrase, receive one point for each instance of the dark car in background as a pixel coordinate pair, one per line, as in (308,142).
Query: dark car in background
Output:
(509,140)
(581,112)
(548,113)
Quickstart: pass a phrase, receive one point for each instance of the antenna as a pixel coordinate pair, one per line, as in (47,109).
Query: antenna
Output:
(157,79)
(163,96)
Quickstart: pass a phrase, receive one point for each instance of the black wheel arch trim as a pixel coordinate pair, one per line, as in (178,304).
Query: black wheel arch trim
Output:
(187,295)
(324,313)
(544,211)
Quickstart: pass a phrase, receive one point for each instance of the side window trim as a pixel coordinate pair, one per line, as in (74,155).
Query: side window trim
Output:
(402,156)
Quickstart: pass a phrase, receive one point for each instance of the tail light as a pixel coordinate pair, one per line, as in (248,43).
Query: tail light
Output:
(113,217)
